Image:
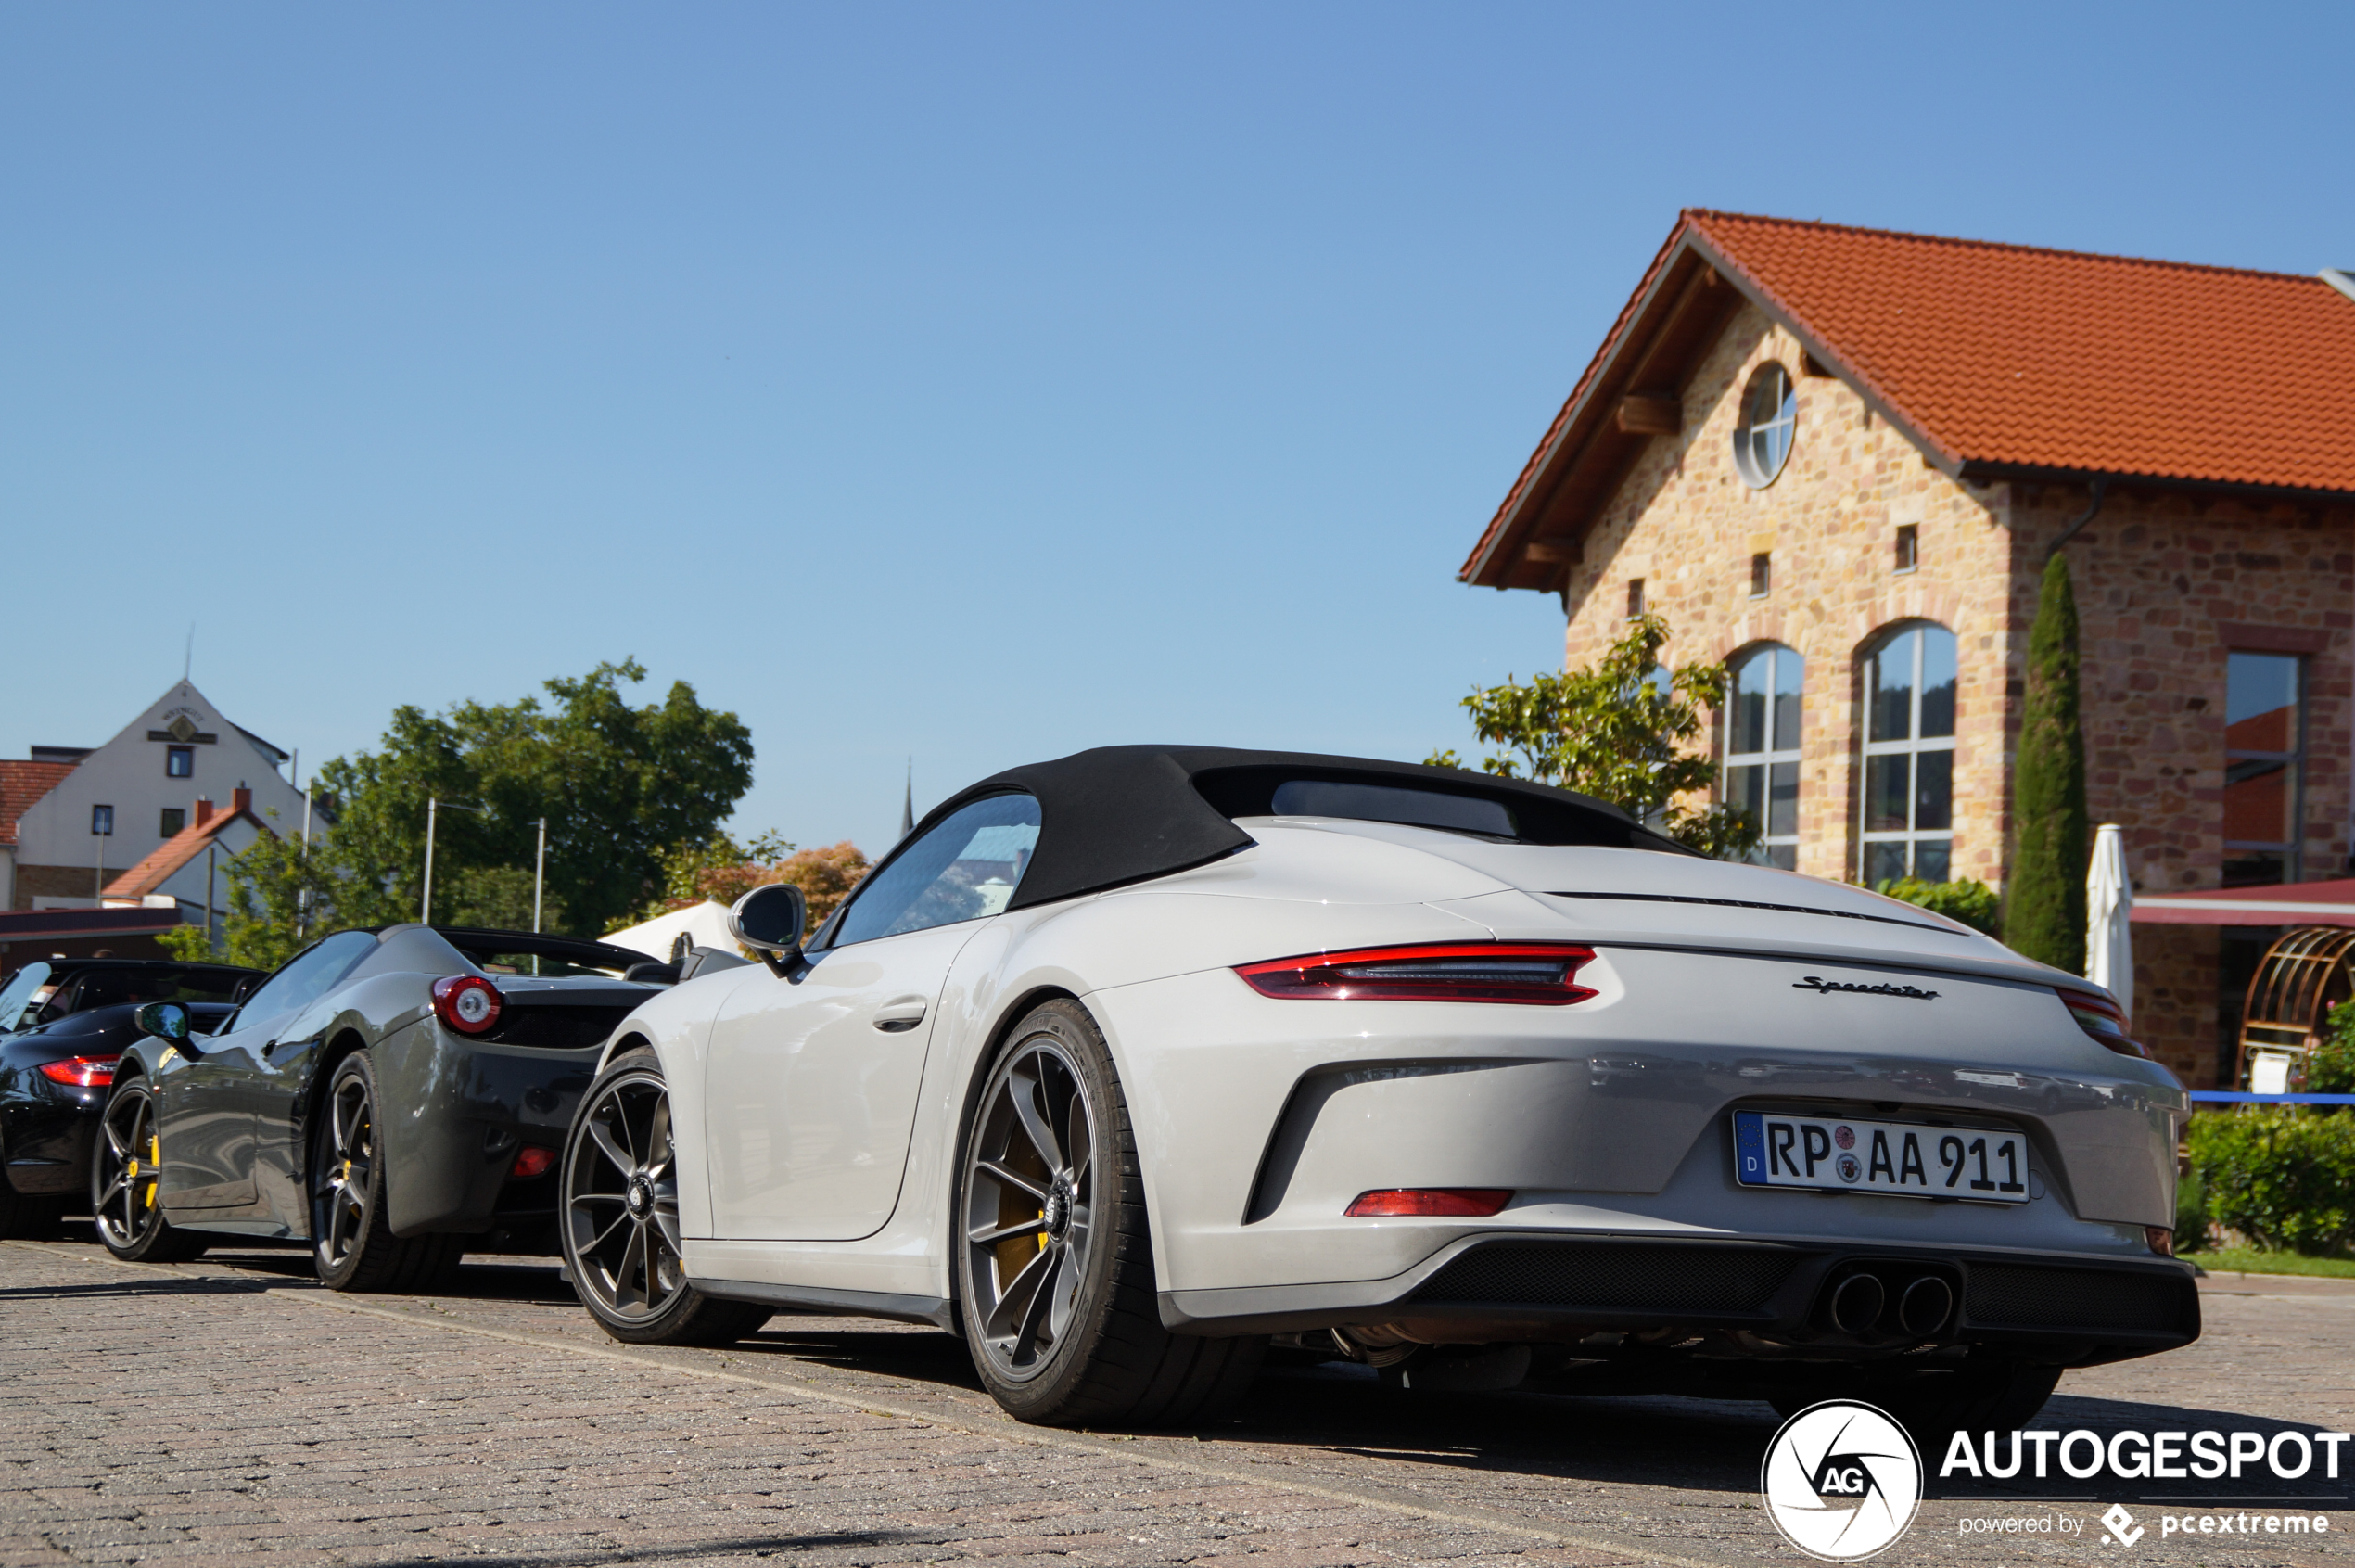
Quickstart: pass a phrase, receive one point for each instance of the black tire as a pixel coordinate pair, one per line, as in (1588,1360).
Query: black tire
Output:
(1054,1256)
(620,1219)
(123,1176)
(351,1243)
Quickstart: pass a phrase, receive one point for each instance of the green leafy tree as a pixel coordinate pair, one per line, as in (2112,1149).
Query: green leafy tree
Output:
(1617,731)
(723,871)
(623,789)
(620,787)
(2045,902)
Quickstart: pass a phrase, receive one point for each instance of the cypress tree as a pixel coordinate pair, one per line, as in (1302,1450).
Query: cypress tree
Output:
(2045,902)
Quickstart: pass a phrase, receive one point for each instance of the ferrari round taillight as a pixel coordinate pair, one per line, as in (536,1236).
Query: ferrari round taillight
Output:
(81,1072)
(2103,1021)
(468,1003)
(1537,974)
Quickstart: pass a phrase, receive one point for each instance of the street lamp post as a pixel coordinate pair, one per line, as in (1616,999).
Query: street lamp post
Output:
(538,879)
(433,808)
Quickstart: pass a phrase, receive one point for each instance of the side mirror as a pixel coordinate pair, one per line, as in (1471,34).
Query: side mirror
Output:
(768,920)
(168,1021)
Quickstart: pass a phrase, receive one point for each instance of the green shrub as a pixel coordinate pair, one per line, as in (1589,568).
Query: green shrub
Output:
(2279,1175)
(1973,903)
(2190,1213)
(2330,1066)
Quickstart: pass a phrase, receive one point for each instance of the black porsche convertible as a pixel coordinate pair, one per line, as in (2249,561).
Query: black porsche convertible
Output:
(63,1023)
(393,1096)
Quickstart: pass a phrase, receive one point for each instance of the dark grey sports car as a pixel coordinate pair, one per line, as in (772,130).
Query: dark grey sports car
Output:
(394,1097)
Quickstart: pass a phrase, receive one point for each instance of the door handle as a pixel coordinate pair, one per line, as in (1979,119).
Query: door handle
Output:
(899,1015)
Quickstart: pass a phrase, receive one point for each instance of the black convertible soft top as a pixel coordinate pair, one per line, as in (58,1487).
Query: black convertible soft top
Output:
(1122,813)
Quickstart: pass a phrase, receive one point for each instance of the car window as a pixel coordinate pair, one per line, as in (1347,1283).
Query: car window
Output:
(965,868)
(306,976)
(21,998)
(1387,803)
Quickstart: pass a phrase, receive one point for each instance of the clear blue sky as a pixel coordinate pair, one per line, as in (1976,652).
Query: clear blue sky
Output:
(983,382)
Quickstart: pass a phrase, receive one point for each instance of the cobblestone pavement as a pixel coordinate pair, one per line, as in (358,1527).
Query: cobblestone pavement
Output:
(230,1409)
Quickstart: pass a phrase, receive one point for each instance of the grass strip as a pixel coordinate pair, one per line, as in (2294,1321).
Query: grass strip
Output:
(2248,1260)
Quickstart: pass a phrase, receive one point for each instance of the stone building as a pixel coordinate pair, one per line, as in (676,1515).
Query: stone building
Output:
(1838,459)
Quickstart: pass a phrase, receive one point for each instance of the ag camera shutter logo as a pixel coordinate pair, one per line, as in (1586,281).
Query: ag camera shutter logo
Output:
(1841,1480)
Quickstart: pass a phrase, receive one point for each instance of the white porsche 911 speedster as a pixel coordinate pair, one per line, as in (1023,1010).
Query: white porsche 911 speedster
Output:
(1126,1065)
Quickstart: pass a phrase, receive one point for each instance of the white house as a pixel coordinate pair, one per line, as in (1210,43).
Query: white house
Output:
(189,870)
(126,799)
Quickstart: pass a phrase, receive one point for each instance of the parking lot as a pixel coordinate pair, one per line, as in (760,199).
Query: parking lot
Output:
(230,1409)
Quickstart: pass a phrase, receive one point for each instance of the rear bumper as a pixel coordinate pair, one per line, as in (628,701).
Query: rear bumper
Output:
(47,1141)
(1765,1299)
(458,1113)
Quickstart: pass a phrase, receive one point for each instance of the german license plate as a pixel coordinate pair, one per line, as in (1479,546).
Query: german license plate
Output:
(1903,1159)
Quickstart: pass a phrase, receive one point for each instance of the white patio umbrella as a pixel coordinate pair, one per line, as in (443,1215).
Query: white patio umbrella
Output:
(705,924)
(2109,902)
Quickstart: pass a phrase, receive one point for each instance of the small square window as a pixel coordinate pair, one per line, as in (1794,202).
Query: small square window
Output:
(102,819)
(1761,575)
(1634,597)
(175,819)
(1909,545)
(179,761)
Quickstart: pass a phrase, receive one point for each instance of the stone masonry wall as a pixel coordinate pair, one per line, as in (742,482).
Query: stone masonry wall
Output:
(1687,524)
(2167,583)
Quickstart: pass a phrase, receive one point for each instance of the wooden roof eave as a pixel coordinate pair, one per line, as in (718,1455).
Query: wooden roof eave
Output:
(1585,425)
(1590,456)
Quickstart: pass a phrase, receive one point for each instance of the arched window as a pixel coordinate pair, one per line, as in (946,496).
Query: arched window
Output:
(1909,754)
(1762,748)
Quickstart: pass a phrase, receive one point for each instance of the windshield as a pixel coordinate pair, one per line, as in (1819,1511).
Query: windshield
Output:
(965,867)
(21,998)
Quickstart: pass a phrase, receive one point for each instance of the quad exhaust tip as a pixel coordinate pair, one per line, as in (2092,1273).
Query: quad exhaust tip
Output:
(1923,1309)
(1856,1304)
(1860,1306)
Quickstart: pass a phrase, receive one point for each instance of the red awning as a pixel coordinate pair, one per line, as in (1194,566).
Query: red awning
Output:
(2292,903)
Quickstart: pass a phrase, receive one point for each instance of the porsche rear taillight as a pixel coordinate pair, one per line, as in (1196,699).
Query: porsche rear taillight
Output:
(2103,1021)
(1531,974)
(81,1072)
(1429,1203)
(468,1003)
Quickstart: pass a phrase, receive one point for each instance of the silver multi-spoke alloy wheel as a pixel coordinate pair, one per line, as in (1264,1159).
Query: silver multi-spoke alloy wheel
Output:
(621,1199)
(1030,1206)
(123,1186)
(343,1180)
(126,1170)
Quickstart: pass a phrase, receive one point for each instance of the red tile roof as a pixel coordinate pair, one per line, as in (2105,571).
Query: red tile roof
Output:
(179,848)
(21,784)
(2011,356)
(2006,360)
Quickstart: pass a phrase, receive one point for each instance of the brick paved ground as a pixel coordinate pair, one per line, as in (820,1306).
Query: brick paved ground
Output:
(230,1410)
